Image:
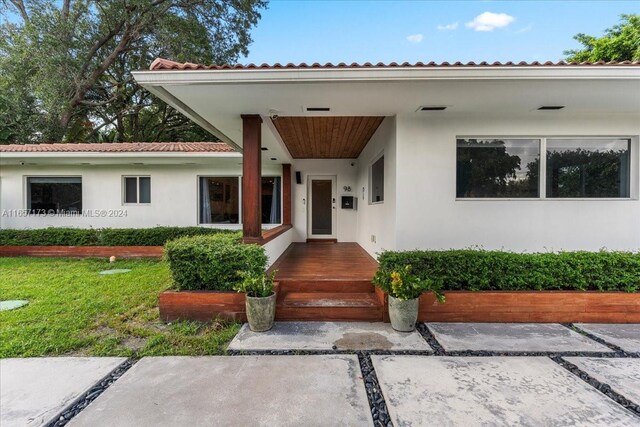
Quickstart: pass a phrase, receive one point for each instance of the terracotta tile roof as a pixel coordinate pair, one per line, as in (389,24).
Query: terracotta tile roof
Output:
(124,147)
(165,64)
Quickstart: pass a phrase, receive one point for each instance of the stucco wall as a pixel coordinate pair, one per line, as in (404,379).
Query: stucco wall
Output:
(378,221)
(429,216)
(174,193)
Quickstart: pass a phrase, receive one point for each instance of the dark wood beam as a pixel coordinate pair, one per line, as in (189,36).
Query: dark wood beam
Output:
(251,178)
(286,194)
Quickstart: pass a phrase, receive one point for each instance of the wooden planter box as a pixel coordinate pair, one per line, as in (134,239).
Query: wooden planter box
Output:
(83,251)
(535,306)
(203,306)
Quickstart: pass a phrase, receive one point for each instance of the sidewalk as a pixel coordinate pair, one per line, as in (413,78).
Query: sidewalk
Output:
(336,374)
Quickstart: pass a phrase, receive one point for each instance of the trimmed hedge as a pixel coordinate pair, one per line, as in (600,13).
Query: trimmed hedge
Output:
(479,270)
(213,262)
(54,236)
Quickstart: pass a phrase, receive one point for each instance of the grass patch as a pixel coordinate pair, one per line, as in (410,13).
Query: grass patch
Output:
(73,310)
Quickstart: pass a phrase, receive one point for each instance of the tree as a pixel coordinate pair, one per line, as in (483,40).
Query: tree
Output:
(620,43)
(65,65)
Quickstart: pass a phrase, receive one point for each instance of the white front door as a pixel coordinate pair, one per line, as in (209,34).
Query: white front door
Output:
(322,209)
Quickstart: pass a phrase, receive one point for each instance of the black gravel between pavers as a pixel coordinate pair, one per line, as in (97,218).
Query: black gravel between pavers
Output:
(379,410)
(597,339)
(91,395)
(604,388)
(440,351)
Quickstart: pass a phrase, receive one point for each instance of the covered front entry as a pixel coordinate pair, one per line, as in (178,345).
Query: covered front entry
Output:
(327,282)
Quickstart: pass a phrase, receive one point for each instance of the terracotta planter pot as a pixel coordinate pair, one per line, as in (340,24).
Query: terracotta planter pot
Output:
(403,314)
(260,312)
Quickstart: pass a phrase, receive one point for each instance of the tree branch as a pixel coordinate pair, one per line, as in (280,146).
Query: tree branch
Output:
(19,4)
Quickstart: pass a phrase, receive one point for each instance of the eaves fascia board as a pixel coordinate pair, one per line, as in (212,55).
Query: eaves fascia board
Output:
(175,77)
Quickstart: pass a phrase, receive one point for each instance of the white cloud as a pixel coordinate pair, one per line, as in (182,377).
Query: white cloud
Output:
(415,38)
(489,21)
(448,27)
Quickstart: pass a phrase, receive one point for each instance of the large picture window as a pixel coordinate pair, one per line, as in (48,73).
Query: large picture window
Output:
(271,200)
(588,168)
(54,195)
(219,200)
(487,168)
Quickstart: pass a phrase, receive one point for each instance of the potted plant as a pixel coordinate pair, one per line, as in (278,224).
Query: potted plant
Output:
(404,289)
(260,299)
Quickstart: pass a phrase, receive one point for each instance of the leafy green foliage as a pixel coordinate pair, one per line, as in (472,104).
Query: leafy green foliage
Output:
(402,284)
(256,285)
(154,236)
(66,65)
(620,43)
(53,236)
(213,262)
(478,270)
(75,311)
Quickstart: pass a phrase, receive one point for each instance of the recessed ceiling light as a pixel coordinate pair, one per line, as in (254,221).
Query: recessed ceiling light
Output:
(318,109)
(273,158)
(551,107)
(264,148)
(432,108)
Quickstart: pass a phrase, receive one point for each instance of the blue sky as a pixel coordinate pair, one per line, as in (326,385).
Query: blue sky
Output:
(361,31)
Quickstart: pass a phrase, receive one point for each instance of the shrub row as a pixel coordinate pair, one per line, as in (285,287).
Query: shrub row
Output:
(478,270)
(212,262)
(155,236)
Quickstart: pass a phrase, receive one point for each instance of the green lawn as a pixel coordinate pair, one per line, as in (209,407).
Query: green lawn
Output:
(73,310)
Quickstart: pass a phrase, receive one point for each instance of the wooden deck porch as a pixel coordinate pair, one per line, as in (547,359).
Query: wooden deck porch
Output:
(327,282)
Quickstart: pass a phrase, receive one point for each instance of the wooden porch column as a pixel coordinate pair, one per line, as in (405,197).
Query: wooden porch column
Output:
(286,194)
(251,178)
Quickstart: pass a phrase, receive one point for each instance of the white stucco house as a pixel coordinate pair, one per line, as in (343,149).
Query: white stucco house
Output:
(520,157)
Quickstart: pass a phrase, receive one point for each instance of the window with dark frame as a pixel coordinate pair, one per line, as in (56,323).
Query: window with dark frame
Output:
(54,195)
(377,181)
(219,200)
(137,189)
(271,200)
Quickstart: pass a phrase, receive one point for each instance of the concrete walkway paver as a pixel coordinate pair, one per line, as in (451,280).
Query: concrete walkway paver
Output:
(528,337)
(624,335)
(504,391)
(328,336)
(623,375)
(34,391)
(234,391)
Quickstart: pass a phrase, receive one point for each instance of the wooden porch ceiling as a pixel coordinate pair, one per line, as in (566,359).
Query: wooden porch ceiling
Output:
(326,137)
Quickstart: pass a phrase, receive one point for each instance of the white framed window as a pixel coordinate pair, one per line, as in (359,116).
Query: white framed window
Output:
(376,180)
(54,194)
(497,168)
(543,168)
(588,168)
(136,190)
